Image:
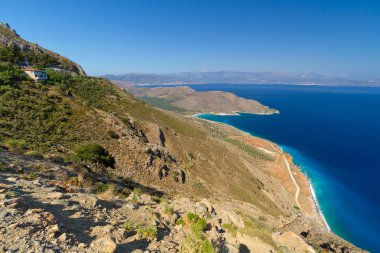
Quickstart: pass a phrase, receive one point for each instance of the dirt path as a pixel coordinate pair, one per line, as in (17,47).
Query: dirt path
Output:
(290,173)
(294,181)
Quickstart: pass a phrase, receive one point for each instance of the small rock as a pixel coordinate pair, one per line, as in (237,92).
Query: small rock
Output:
(87,201)
(9,202)
(100,231)
(37,182)
(34,210)
(207,203)
(53,228)
(82,245)
(7,213)
(103,245)
(54,195)
(62,237)
(131,205)
(76,215)
(60,202)
(201,208)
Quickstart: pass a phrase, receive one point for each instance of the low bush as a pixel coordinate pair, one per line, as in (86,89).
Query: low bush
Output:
(179,221)
(199,226)
(169,210)
(113,135)
(94,153)
(30,176)
(197,244)
(137,191)
(191,217)
(128,226)
(134,200)
(148,232)
(101,187)
(34,154)
(16,146)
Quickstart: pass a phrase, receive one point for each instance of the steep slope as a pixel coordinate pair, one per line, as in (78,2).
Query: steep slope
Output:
(158,152)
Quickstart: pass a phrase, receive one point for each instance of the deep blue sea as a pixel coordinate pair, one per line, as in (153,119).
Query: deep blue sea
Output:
(333,133)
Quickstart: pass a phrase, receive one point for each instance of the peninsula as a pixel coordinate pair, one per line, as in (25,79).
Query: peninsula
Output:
(187,99)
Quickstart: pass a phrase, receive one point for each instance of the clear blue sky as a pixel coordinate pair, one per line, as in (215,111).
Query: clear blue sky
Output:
(160,36)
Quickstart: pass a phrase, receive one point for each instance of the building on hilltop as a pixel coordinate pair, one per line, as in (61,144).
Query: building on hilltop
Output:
(36,74)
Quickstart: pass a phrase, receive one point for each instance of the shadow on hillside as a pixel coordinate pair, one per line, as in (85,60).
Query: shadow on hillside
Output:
(243,249)
(141,244)
(80,226)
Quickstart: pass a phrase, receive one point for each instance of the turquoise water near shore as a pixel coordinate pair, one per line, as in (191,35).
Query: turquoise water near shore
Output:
(333,134)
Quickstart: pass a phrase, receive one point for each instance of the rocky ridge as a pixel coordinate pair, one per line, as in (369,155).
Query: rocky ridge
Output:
(43,209)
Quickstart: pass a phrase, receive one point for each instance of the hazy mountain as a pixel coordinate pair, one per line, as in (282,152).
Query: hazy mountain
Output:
(237,77)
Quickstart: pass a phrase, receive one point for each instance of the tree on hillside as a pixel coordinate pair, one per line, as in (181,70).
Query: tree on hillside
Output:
(94,153)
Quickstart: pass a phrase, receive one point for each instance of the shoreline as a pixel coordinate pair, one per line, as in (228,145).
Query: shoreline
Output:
(316,204)
(309,182)
(236,113)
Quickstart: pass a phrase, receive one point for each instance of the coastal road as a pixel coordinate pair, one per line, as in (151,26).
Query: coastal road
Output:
(294,181)
(291,175)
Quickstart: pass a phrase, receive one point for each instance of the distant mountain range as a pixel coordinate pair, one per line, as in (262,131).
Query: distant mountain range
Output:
(237,77)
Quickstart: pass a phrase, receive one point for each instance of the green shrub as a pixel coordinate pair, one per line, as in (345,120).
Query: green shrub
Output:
(192,217)
(134,200)
(128,226)
(231,228)
(101,187)
(93,152)
(179,221)
(148,232)
(199,226)
(113,135)
(197,244)
(137,191)
(34,154)
(206,247)
(30,176)
(10,74)
(169,210)
(16,146)
(159,199)
(257,229)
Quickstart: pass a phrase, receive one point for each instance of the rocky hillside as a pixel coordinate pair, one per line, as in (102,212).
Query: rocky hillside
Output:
(188,99)
(14,48)
(87,167)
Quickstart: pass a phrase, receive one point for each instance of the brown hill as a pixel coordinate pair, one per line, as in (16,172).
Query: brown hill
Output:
(203,102)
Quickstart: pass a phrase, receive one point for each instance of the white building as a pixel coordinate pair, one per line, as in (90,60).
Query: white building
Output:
(36,75)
